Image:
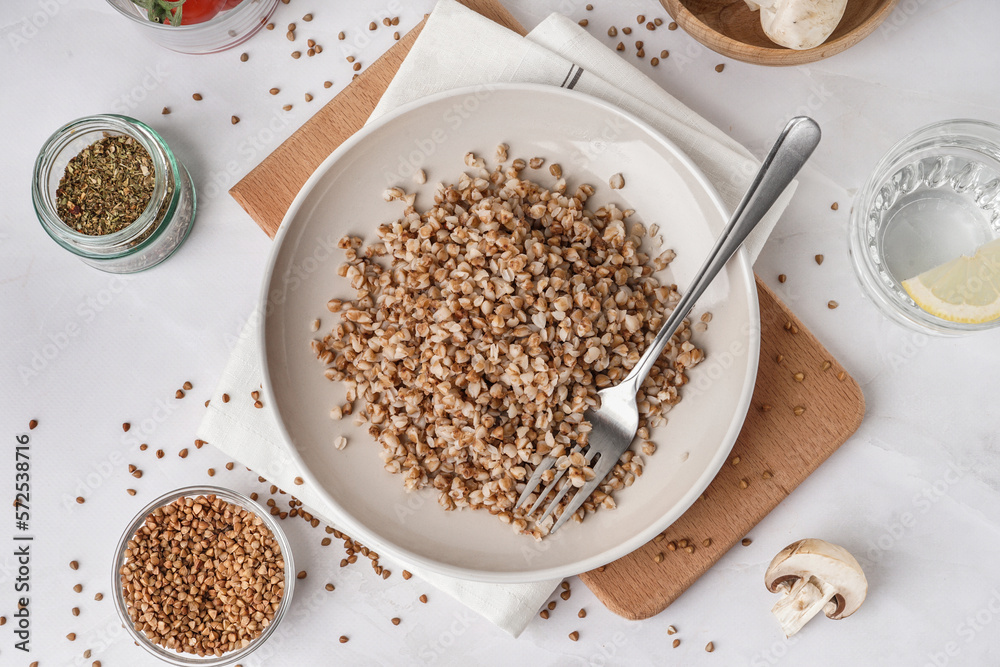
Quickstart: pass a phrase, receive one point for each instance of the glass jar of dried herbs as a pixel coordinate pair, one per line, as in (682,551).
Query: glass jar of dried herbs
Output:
(110,190)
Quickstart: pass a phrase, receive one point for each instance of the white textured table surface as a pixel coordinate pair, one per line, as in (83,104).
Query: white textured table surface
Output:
(915,494)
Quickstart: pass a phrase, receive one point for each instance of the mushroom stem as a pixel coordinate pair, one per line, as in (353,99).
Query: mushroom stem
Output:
(801,601)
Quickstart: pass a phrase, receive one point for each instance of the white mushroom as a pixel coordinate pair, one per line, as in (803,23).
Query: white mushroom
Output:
(812,575)
(799,24)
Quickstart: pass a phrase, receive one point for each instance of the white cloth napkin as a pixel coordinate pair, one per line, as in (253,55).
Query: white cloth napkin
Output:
(458,47)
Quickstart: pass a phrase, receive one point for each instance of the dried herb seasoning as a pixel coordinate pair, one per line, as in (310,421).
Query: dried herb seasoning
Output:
(106,187)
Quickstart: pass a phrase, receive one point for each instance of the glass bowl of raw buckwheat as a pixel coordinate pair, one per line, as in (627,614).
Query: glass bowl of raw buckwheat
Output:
(202,576)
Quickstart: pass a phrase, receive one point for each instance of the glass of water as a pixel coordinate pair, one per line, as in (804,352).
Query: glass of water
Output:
(933,197)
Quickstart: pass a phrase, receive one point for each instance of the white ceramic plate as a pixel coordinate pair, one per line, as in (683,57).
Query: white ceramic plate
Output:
(591,140)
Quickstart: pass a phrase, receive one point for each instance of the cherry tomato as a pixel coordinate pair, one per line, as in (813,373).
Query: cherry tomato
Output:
(232,3)
(198,11)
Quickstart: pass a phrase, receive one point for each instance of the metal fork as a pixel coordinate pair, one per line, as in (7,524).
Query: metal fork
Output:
(614,424)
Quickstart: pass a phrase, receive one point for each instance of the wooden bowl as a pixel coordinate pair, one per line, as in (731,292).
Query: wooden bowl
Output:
(729,27)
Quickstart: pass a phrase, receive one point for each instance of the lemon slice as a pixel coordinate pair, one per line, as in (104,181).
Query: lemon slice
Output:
(966,289)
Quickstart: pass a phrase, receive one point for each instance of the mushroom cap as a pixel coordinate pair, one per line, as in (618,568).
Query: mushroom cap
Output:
(799,24)
(831,563)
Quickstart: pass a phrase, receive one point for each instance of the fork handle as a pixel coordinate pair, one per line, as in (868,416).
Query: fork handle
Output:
(793,147)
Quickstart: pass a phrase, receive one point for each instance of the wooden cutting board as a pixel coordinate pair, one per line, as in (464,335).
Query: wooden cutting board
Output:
(777,449)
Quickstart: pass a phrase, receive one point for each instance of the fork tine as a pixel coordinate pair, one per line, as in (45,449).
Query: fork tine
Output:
(555,501)
(551,485)
(604,466)
(534,480)
(545,492)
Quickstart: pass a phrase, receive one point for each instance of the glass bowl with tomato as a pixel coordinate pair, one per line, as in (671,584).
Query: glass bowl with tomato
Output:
(197,26)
